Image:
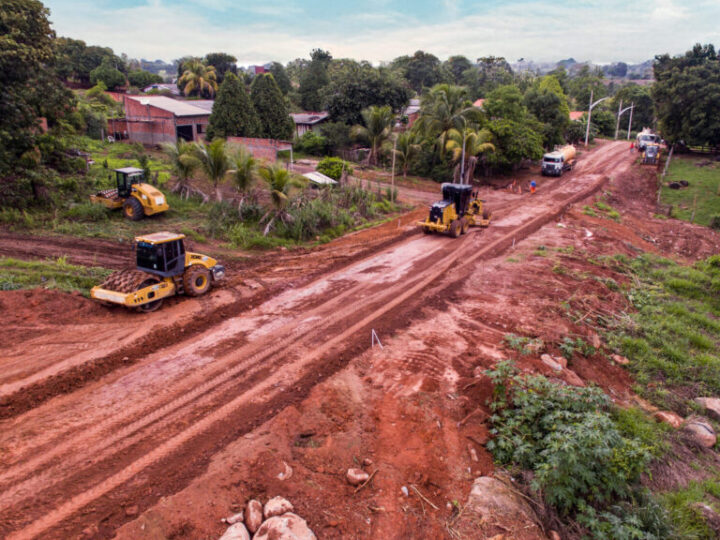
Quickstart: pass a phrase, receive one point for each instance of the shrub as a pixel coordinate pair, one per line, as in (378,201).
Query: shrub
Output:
(567,436)
(333,167)
(312,143)
(221,217)
(245,237)
(715,222)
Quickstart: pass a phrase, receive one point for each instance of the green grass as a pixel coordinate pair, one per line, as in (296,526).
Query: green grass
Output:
(672,339)
(50,274)
(686,517)
(702,191)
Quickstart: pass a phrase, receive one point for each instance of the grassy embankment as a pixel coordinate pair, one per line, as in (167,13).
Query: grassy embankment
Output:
(701,197)
(50,274)
(310,219)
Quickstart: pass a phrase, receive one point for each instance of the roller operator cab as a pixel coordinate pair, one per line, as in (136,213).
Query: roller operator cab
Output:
(163,268)
(136,198)
(651,155)
(457,212)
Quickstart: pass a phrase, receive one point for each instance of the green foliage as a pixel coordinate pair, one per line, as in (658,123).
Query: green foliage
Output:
(686,93)
(580,86)
(197,79)
(523,344)
(223,63)
(220,219)
(643,106)
(214,162)
(421,70)
(333,167)
(375,131)
(548,103)
(87,211)
(281,77)
(50,274)
(312,143)
(108,74)
(671,337)
(514,142)
(356,86)
(682,507)
(275,121)
(142,79)
(506,102)
(247,237)
(337,135)
(313,80)
(567,436)
(233,113)
(701,192)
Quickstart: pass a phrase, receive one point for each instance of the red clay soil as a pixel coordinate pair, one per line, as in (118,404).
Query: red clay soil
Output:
(275,373)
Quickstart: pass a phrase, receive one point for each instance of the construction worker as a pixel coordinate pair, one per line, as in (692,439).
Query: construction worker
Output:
(533,185)
(632,146)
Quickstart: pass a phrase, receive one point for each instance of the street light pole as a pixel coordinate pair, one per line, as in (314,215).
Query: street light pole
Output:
(632,108)
(392,176)
(622,111)
(590,108)
(617,124)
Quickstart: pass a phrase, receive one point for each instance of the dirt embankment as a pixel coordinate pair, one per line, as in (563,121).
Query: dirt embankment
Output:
(277,369)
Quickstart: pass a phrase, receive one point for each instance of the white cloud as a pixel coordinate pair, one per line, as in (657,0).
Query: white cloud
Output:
(537,30)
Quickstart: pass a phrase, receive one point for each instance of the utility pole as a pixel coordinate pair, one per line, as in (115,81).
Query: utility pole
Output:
(462,162)
(632,106)
(590,108)
(621,111)
(392,175)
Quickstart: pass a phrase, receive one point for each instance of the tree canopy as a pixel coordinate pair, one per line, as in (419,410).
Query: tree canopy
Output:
(270,106)
(223,63)
(314,79)
(687,95)
(421,70)
(233,113)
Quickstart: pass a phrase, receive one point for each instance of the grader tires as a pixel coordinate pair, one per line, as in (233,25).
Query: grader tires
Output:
(464,226)
(133,209)
(196,280)
(427,230)
(486,213)
(455,228)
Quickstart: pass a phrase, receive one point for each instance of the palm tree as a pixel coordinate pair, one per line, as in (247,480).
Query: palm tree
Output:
(405,149)
(444,108)
(472,144)
(244,174)
(377,129)
(280,185)
(183,164)
(214,163)
(198,78)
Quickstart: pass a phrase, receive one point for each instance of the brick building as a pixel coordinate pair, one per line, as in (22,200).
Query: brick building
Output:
(158,119)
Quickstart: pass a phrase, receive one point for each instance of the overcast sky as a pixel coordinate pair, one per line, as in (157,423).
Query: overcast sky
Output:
(379,30)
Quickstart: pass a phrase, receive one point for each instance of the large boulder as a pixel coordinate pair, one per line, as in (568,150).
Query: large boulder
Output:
(701,432)
(277,506)
(253,515)
(711,405)
(669,417)
(236,532)
(500,509)
(286,527)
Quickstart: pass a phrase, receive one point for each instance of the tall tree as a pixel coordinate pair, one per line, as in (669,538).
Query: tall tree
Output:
(314,79)
(456,67)
(280,184)
(26,53)
(406,148)
(270,106)
(281,77)
(214,163)
(142,79)
(421,70)
(183,163)
(244,174)
(223,63)
(468,147)
(233,113)
(548,103)
(377,129)
(643,106)
(586,81)
(108,74)
(446,107)
(355,86)
(490,73)
(687,96)
(198,79)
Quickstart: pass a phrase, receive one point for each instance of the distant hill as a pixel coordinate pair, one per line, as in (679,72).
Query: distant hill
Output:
(615,70)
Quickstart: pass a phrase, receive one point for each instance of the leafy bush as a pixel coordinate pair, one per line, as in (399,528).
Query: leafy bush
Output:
(312,143)
(333,167)
(245,237)
(221,218)
(87,211)
(567,436)
(314,217)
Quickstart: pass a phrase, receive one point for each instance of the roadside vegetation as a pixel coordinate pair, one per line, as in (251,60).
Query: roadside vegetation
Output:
(51,274)
(699,201)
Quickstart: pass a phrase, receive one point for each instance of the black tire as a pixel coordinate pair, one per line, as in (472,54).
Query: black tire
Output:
(196,280)
(427,230)
(455,228)
(133,210)
(486,213)
(464,226)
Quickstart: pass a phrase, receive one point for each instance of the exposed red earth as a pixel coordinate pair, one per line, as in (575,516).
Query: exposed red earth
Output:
(158,425)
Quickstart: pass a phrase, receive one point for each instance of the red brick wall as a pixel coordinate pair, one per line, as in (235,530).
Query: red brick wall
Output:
(266,149)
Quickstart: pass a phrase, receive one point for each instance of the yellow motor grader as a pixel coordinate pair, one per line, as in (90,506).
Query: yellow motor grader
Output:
(459,210)
(163,269)
(133,195)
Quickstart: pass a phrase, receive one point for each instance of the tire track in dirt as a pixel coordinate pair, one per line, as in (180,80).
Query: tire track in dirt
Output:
(401,293)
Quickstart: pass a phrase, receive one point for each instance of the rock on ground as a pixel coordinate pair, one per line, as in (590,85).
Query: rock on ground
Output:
(495,505)
(357,476)
(277,506)
(236,532)
(551,362)
(253,515)
(618,359)
(701,432)
(669,417)
(286,527)
(711,406)
(235,518)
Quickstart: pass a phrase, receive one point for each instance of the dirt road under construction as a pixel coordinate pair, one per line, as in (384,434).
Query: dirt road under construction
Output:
(99,407)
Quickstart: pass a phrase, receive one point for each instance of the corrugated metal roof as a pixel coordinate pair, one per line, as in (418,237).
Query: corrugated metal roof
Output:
(309,117)
(176,106)
(319,178)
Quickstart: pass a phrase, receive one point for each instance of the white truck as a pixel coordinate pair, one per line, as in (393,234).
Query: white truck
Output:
(557,162)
